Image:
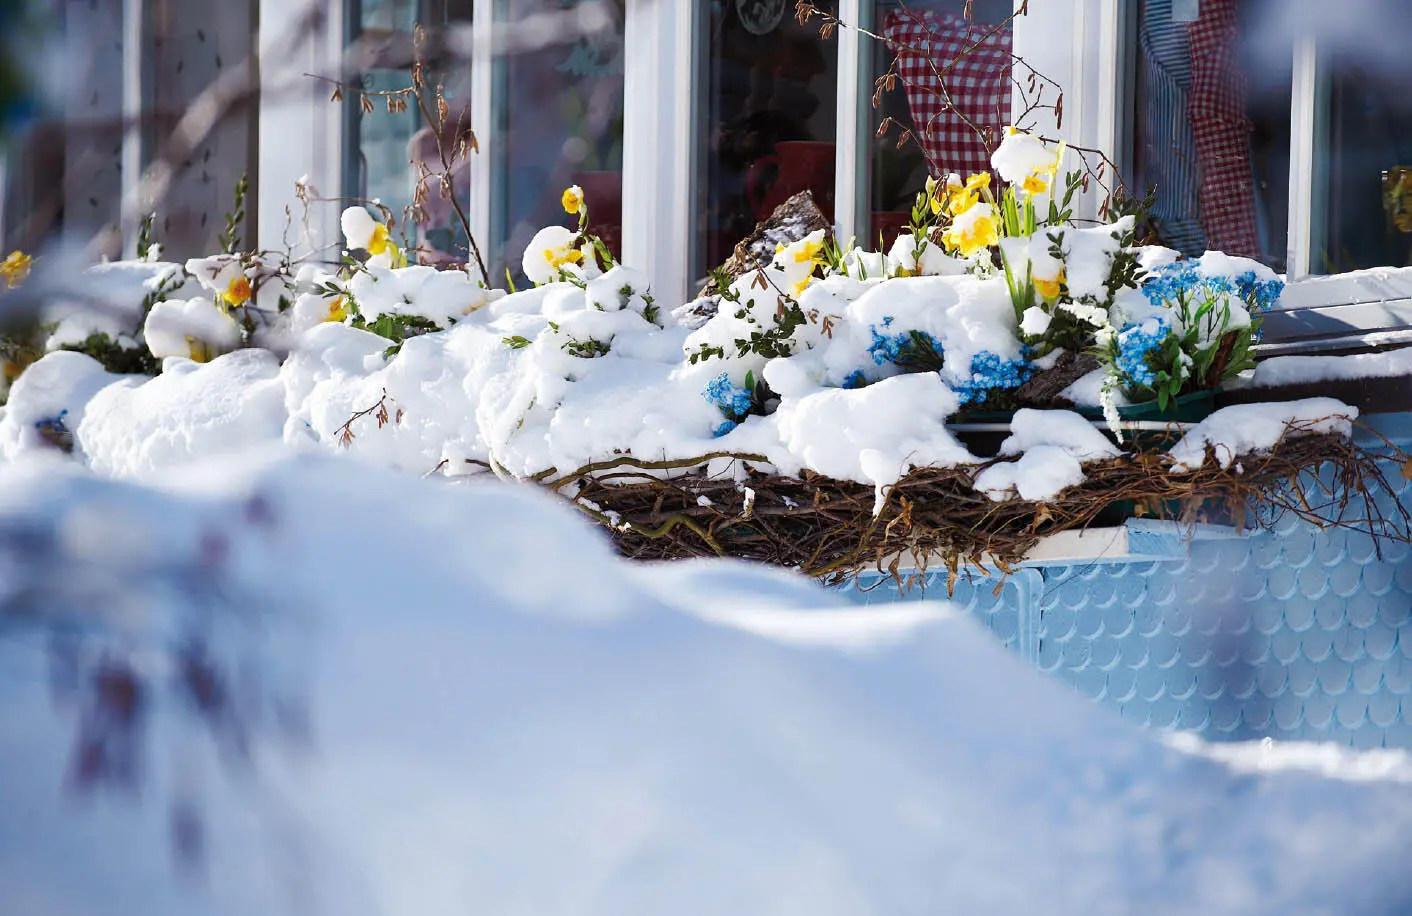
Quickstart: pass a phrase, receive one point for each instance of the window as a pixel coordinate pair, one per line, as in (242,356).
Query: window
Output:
(1364,145)
(942,137)
(384,149)
(558,122)
(1212,127)
(768,121)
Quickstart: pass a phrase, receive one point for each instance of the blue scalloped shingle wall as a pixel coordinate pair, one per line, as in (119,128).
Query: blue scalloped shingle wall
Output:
(1296,634)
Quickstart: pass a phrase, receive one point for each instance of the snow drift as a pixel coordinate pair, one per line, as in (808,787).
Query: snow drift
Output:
(307,686)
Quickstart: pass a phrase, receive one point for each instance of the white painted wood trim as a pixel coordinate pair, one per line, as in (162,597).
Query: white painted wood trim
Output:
(483,120)
(1111,130)
(135,51)
(659,107)
(1303,158)
(851,178)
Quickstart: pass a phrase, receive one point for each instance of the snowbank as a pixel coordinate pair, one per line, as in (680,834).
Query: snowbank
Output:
(311,687)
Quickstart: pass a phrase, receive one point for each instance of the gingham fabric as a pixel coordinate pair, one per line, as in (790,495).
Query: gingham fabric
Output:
(975,68)
(1216,109)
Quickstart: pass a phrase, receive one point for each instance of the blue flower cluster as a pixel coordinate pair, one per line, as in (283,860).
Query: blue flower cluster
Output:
(53,424)
(1260,294)
(917,351)
(1135,345)
(733,401)
(855,379)
(990,372)
(1171,283)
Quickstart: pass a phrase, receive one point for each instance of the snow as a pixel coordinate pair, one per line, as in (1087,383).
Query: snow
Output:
(1041,473)
(1061,428)
(56,388)
(440,698)
(1243,429)
(144,429)
(189,328)
(1308,370)
(1021,155)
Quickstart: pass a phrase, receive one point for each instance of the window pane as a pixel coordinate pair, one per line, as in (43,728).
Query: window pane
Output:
(771,91)
(1367,147)
(385,149)
(975,57)
(560,122)
(1212,127)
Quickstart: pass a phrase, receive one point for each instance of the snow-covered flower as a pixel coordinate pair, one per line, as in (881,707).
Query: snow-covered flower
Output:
(1021,156)
(237,292)
(362,231)
(572,200)
(549,252)
(194,328)
(797,260)
(1049,288)
(15,268)
(977,228)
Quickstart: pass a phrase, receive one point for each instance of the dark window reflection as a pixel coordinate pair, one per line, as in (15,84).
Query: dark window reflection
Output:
(1212,126)
(771,90)
(1368,149)
(559,98)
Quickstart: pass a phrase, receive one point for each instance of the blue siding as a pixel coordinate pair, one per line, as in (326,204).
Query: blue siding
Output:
(1296,634)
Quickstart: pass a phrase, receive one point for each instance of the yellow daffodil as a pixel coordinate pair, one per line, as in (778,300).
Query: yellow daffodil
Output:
(1035,184)
(15,268)
(809,252)
(798,289)
(573,200)
(1049,289)
(237,293)
(337,310)
(962,197)
(977,228)
(198,351)
(381,240)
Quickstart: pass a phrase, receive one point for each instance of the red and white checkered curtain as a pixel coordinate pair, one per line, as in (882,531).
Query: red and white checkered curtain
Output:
(935,51)
(1216,107)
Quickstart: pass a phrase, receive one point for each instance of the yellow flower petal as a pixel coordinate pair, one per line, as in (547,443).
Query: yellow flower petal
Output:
(380,241)
(15,268)
(573,200)
(337,310)
(1035,184)
(237,293)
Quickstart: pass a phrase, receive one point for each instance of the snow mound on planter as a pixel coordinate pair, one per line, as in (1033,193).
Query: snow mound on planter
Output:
(361,693)
(1243,429)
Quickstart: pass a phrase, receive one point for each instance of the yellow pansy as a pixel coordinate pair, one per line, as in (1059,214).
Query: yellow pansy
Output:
(962,197)
(15,268)
(337,310)
(974,230)
(197,350)
(237,293)
(573,200)
(558,258)
(1049,289)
